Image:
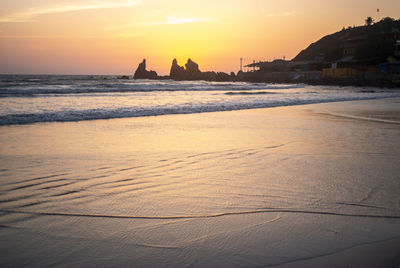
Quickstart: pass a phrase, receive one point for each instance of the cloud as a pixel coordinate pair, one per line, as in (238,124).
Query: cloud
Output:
(36,36)
(128,35)
(282,14)
(31,13)
(121,29)
(176,20)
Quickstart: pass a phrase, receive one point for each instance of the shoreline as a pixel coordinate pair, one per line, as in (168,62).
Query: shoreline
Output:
(214,110)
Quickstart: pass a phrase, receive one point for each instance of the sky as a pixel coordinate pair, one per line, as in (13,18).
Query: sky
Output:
(114,36)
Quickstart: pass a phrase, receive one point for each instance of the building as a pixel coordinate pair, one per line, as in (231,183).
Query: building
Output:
(278,65)
(350,45)
(397,49)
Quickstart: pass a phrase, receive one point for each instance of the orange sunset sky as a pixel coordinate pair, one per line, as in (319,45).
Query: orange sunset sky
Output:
(113,36)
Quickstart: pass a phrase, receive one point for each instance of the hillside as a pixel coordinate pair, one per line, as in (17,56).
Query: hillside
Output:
(374,43)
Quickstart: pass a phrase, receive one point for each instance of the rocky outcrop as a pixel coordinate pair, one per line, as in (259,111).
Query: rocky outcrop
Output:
(191,71)
(142,73)
(221,76)
(209,76)
(177,72)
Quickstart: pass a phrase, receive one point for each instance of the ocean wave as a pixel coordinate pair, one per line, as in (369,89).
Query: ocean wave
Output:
(249,93)
(35,99)
(32,87)
(124,112)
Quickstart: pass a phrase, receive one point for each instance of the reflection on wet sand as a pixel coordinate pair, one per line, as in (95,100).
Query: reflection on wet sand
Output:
(282,186)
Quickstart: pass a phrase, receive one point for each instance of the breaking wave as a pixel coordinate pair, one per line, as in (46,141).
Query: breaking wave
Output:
(34,99)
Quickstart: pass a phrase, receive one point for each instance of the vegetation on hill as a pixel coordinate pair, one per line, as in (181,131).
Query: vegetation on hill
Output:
(373,42)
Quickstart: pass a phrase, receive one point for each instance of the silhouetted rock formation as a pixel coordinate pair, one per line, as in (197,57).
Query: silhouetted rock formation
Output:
(177,72)
(221,76)
(142,73)
(209,76)
(191,71)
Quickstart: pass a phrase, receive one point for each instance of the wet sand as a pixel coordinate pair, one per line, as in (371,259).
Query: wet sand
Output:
(302,186)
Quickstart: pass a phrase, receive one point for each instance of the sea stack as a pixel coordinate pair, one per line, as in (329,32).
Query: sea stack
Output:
(191,71)
(177,72)
(142,73)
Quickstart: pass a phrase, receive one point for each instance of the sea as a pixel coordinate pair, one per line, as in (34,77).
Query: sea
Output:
(28,99)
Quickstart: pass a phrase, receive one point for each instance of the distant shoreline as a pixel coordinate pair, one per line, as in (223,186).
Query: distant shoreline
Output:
(337,77)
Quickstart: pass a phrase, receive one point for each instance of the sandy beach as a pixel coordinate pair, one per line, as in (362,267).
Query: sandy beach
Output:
(301,186)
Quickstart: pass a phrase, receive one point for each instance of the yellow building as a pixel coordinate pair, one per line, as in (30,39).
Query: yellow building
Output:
(340,73)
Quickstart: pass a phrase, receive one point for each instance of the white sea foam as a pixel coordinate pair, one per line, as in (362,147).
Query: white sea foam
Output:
(32,99)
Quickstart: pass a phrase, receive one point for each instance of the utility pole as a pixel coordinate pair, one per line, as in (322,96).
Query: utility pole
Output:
(379,17)
(241,64)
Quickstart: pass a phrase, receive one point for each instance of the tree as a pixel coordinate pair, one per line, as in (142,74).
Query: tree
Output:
(387,24)
(387,20)
(369,21)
